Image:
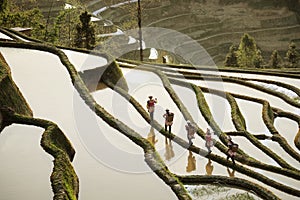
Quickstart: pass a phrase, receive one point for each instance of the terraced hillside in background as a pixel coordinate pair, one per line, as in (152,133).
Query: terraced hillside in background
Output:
(217,25)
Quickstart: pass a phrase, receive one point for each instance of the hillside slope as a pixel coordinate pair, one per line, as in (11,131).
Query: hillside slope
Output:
(215,24)
(218,24)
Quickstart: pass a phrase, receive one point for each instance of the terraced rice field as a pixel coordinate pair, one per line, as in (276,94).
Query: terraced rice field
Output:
(117,145)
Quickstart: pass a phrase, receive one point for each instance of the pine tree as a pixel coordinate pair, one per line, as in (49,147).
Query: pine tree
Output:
(275,60)
(258,59)
(85,36)
(231,57)
(248,55)
(292,55)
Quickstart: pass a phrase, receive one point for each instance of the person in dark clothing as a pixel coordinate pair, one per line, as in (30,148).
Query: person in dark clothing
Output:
(169,116)
(232,149)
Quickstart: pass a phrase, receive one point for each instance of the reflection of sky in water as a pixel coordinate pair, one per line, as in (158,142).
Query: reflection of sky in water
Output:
(220,110)
(5,37)
(48,90)
(276,88)
(288,129)
(243,90)
(83,61)
(252,113)
(23,161)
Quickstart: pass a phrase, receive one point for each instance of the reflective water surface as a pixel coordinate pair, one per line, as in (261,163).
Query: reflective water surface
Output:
(108,164)
(46,85)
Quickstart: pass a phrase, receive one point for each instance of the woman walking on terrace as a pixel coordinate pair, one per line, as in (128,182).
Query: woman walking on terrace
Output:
(191,130)
(232,149)
(208,140)
(150,106)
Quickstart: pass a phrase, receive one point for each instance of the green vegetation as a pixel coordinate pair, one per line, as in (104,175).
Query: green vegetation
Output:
(3,6)
(275,60)
(237,117)
(246,55)
(111,74)
(114,75)
(218,191)
(192,148)
(64,29)
(239,196)
(85,36)
(231,59)
(72,27)
(202,191)
(136,138)
(29,18)
(151,156)
(297,140)
(127,14)
(292,55)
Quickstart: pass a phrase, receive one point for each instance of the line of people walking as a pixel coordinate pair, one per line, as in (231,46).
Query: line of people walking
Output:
(191,130)
(169,118)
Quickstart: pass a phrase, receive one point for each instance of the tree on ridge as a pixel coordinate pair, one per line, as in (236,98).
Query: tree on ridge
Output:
(248,53)
(292,55)
(231,57)
(85,36)
(275,60)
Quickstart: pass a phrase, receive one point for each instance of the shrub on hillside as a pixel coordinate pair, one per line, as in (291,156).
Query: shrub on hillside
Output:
(248,53)
(85,36)
(292,55)
(275,60)
(30,18)
(231,57)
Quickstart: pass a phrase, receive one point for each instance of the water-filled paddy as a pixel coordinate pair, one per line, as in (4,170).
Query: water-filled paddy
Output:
(104,158)
(46,85)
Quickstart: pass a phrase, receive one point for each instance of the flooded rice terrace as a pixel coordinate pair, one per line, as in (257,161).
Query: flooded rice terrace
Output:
(110,166)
